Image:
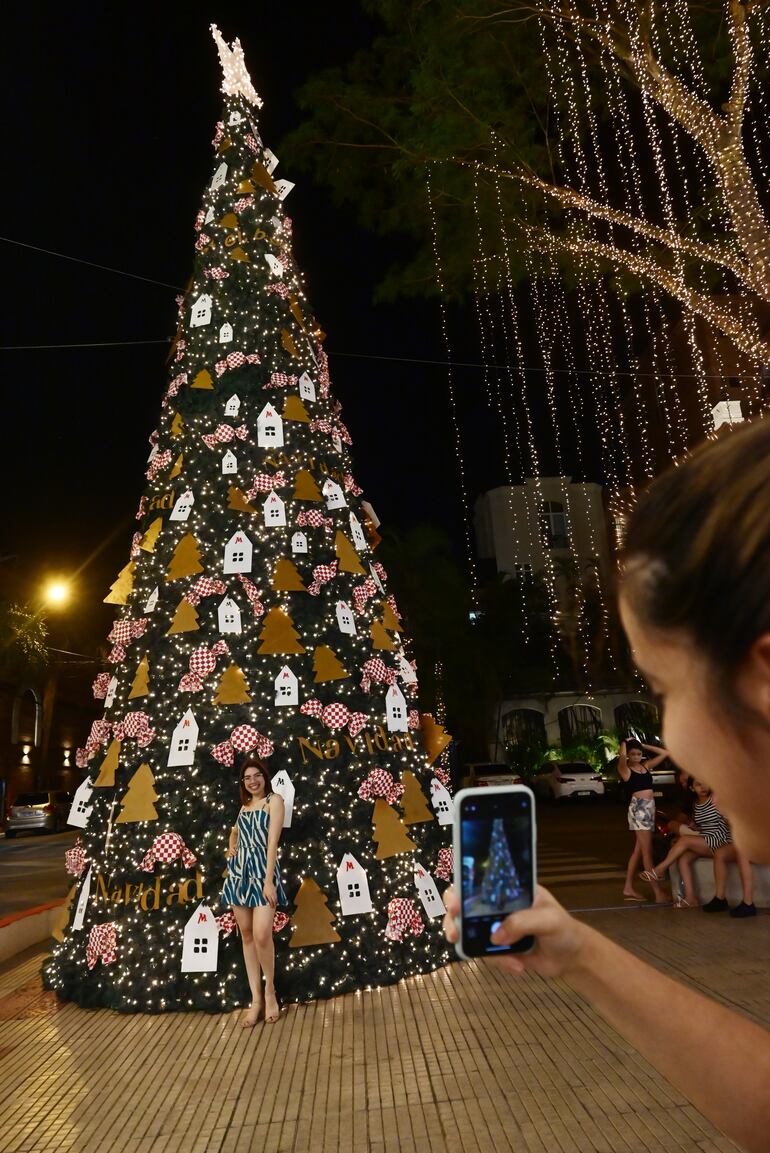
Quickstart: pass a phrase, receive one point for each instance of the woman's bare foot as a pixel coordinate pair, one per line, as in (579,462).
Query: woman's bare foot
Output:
(252,1015)
(632,895)
(272,1011)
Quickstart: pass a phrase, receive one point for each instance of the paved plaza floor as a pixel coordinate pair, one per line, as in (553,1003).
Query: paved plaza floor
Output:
(462,1060)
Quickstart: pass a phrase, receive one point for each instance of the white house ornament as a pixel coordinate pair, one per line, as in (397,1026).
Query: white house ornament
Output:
(207,219)
(229,463)
(299,543)
(283,786)
(201,311)
(441,801)
(233,406)
(335,497)
(286,687)
(357,533)
(153,453)
(183,506)
(225,333)
(283,188)
(269,428)
(337,442)
(112,688)
(274,511)
(428,892)
(229,616)
(151,603)
(345,619)
(219,177)
(200,944)
(238,554)
(81,807)
(274,264)
(406,670)
(306,387)
(184,741)
(353,885)
(396,717)
(235,117)
(80,908)
(270,160)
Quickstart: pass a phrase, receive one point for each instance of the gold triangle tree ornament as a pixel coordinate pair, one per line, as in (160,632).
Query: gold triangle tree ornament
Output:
(250,622)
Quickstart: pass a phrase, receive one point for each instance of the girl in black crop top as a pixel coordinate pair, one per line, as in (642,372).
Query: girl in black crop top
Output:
(637,780)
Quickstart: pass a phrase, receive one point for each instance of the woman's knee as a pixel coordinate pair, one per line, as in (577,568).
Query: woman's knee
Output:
(263,937)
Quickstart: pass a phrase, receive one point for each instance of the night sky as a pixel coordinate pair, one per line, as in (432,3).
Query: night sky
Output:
(109,119)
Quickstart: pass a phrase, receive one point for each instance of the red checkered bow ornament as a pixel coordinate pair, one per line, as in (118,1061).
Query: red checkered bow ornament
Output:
(167,847)
(203,240)
(99,735)
(314,518)
(312,708)
(280,921)
(176,384)
(441,774)
(322,574)
(349,484)
(122,634)
(379,569)
(102,944)
(376,670)
(142,509)
(101,686)
(413,719)
(181,346)
(362,593)
(205,587)
(356,722)
(217,273)
(344,436)
(403,918)
(81,758)
(75,859)
(136,541)
(243,203)
(135,725)
(219,134)
(335,716)
(445,867)
(227,923)
(321,424)
(243,739)
(265,482)
(287,226)
(203,661)
(199,220)
(380,783)
(253,593)
(251,143)
(282,290)
(281,380)
(223,434)
(160,461)
(236,360)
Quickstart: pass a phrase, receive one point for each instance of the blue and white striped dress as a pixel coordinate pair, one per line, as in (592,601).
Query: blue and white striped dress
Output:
(246,870)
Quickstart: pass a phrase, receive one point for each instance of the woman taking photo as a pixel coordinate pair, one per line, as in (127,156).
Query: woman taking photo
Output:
(637,777)
(253,887)
(695,602)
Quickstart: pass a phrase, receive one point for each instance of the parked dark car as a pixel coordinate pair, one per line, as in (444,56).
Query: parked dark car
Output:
(44,812)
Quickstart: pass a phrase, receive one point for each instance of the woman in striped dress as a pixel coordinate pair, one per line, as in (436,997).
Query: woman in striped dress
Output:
(712,839)
(253,886)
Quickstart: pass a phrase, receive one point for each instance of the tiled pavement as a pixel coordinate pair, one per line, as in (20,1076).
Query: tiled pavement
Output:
(462,1060)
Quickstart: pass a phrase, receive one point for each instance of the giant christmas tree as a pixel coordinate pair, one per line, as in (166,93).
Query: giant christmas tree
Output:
(255,618)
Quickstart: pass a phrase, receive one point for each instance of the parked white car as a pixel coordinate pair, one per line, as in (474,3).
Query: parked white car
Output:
(558,780)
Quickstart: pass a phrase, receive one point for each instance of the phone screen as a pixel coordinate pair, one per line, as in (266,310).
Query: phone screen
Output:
(498,868)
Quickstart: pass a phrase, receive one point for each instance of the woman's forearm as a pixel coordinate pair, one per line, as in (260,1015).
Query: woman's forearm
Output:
(718,1058)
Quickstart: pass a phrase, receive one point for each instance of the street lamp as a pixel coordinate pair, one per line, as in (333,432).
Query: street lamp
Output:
(56,593)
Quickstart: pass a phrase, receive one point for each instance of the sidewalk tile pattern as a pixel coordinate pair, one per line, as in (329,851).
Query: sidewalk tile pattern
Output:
(458,1061)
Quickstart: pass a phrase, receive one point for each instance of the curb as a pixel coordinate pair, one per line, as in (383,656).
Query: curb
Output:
(28,927)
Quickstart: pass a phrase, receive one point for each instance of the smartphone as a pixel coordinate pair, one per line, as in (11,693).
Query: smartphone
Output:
(495,864)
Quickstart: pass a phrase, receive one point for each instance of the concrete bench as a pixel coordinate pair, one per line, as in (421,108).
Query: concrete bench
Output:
(703,874)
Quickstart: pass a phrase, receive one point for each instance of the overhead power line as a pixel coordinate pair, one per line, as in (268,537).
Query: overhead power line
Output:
(90,263)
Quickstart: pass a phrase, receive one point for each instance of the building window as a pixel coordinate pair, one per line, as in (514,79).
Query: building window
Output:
(579,723)
(524,727)
(522,573)
(553,521)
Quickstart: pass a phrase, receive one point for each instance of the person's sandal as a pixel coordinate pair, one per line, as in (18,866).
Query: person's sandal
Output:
(650,875)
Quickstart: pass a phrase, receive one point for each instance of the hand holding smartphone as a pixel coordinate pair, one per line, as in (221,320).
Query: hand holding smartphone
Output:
(495,864)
